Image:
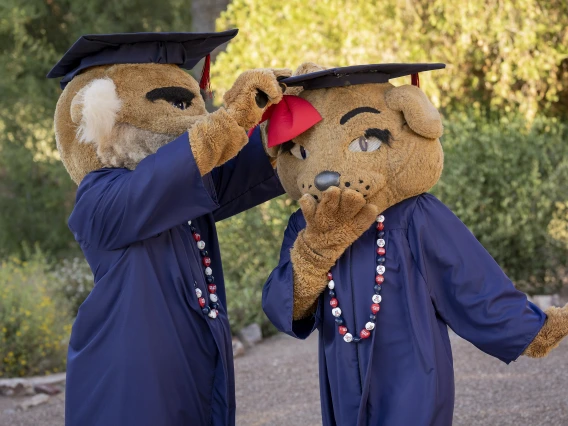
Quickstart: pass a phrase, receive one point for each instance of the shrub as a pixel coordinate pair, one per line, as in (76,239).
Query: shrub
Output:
(507,183)
(34,330)
(250,246)
(73,281)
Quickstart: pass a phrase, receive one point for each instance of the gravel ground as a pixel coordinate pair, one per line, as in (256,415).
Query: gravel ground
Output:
(277,386)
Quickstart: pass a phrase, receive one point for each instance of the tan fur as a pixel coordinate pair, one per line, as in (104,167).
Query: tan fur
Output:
(141,126)
(411,165)
(208,153)
(554,330)
(242,95)
(332,225)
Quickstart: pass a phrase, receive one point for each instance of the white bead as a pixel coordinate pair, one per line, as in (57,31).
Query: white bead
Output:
(331,284)
(381,242)
(189,222)
(198,292)
(201,245)
(381,269)
(348,337)
(370,326)
(213,298)
(377,298)
(336,312)
(212,313)
(380,218)
(208,271)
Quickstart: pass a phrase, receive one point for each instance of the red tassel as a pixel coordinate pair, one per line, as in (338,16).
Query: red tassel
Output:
(415,80)
(205,82)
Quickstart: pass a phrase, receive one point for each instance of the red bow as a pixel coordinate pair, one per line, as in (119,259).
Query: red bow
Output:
(289,118)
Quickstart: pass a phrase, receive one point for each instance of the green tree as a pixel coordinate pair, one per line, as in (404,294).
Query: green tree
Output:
(250,246)
(36,194)
(508,184)
(501,54)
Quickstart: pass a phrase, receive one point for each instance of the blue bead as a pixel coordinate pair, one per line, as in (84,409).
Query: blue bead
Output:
(204,253)
(381,259)
(381,234)
(339,321)
(372,317)
(356,339)
(206,310)
(377,288)
(214,306)
(192,228)
(332,293)
(209,279)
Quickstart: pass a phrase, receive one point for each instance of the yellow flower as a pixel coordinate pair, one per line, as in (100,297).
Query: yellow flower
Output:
(23,362)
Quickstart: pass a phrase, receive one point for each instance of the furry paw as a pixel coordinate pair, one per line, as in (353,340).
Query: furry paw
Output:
(252,93)
(552,332)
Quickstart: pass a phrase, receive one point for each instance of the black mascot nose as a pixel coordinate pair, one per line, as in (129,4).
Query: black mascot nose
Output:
(326,179)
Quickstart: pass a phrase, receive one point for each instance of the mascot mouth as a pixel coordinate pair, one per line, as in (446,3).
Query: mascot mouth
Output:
(368,186)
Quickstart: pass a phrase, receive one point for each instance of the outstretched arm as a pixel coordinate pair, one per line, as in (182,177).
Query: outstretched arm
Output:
(469,290)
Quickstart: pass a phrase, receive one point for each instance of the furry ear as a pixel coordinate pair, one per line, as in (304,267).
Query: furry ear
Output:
(421,116)
(94,109)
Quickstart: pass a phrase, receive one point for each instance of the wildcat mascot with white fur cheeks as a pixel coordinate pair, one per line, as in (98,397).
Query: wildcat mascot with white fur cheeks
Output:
(151,345)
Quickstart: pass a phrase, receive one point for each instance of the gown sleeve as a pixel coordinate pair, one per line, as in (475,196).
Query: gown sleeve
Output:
(468,289)
(246,180)
(278,292)
(118,207)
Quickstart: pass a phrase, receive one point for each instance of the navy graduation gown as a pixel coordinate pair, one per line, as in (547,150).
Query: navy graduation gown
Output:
(437,275)
(141,351)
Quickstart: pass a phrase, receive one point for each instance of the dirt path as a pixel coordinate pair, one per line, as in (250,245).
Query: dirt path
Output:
(277,386)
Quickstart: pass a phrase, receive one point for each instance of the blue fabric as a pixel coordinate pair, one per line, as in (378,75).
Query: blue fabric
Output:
(183,49)
(141,351)
(437,275)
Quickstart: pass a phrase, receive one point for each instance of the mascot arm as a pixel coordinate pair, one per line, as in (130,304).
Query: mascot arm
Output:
(279,294)
(117,207)
(470,292)
(332,225)
(245,181)
(220,136)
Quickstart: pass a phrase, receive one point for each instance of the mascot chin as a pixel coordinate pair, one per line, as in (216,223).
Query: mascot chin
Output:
(378,266)
(151,345)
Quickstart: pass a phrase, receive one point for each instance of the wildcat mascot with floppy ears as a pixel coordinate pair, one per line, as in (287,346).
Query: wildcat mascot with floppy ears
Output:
(377,265)
(151,345)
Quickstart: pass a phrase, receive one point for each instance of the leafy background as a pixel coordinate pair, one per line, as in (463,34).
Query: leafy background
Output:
(503,96)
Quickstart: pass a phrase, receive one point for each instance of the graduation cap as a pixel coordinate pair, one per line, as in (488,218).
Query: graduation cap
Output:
(183,49)
(359,74)
(294,115)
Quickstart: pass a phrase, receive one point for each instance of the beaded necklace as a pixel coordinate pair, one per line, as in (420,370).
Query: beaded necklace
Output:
(212,310)
(365,333)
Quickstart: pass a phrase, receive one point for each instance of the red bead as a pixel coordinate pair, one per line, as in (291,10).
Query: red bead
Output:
(207,261)
(364,333)
(342,330)
(380,226)
(202,302)
(333,302)
(379,279)
(381,251)
(196,237)
(375,308)
(212,288)
(329,276)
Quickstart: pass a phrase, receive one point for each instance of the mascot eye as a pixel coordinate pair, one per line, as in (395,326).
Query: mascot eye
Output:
(299,151)
(180,104)
(365,144)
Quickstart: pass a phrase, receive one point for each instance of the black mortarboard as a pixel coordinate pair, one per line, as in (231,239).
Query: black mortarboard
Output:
(183,49)
(358,74)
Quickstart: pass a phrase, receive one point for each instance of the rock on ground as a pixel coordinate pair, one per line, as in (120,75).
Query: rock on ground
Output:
(277,385)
